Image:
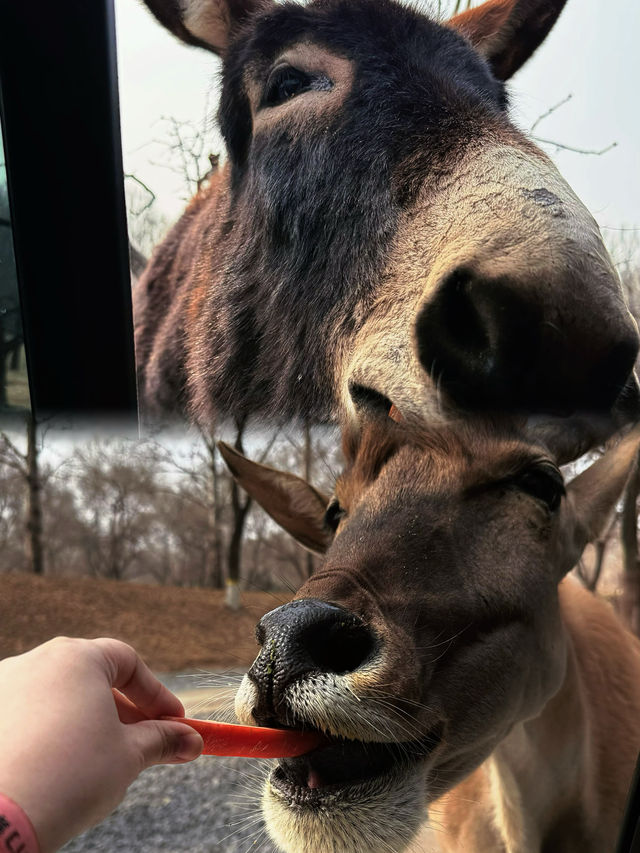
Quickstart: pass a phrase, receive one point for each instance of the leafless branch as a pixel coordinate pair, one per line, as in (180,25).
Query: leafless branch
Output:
(150,192)
(550,111)
(268,446)
(183,495)
(564,147)
(11,456)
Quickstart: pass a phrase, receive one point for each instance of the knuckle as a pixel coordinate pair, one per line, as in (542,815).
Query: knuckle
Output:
(114,648)
(61,642)
(118,656)
(65,645)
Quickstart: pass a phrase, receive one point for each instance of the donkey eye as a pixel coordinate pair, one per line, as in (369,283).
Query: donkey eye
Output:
(544,482)
(334,514)
(284,83)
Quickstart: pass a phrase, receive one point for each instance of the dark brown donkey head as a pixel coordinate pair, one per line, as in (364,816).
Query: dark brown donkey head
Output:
(430,629)
(382,231)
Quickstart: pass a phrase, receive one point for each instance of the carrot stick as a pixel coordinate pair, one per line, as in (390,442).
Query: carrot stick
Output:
(251,741)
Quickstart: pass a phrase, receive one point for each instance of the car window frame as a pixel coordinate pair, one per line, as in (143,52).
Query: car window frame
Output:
(61,130)
(59,61)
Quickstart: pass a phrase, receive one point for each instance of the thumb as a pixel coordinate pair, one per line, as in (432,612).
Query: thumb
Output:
(164,742)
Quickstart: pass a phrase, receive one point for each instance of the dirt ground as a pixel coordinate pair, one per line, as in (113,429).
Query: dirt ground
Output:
(172,628)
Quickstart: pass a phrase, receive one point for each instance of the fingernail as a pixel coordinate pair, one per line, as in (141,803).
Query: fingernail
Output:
(189,747)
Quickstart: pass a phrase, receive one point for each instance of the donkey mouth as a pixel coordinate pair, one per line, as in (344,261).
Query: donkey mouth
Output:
(348,767)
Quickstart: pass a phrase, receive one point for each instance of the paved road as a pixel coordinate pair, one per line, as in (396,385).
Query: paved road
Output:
(209,805)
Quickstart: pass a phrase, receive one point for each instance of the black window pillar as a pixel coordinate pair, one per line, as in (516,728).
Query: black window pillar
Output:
(64,166)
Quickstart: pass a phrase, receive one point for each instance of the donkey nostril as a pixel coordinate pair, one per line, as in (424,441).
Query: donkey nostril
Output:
(369,399)
(611,373)
(340,647)
(478,339)
(510,343)
(461,315)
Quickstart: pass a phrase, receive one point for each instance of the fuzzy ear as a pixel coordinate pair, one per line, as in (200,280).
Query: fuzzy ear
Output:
(289,500)
(507,32)
(594,493)
(205,23)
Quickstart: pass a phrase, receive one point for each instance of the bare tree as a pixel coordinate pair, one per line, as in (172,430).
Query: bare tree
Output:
(214,568)
(147,224)
(629,601)
(307,473)
(180,555)
(12,556)
(240,509)
(26,465)
(118,486)
(65,532)
(187,149)
(200,489)
(307,456)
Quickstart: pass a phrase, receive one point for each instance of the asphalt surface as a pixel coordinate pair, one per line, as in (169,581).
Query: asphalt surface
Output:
(211,804)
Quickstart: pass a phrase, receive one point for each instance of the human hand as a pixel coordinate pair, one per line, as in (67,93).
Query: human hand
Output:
(78,723)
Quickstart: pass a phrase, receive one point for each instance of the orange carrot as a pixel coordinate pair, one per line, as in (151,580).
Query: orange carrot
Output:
(251,741)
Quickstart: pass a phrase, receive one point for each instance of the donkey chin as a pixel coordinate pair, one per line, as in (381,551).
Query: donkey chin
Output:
(366,790)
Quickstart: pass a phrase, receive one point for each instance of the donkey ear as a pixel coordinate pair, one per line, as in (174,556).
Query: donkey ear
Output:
(204,23)
(507,32)
(289,500)
(594,493)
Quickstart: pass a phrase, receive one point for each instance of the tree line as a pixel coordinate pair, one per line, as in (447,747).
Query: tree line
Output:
(162,511)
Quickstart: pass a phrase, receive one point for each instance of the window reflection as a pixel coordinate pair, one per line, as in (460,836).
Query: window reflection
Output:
(14,382)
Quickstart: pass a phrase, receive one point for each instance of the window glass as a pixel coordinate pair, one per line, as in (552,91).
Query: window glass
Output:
(14,382)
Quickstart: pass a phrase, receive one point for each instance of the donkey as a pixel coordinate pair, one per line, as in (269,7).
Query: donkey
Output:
(443,652)
(380,231)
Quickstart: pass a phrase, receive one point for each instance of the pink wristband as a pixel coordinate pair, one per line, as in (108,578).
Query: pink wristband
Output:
(17,835)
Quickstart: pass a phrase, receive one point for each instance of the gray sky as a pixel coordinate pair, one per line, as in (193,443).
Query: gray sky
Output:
(591,53)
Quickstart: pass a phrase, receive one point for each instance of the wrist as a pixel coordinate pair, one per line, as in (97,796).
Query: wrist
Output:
(16,830)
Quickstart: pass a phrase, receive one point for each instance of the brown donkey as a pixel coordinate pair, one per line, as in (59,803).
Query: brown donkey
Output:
(381,230)
(440,648)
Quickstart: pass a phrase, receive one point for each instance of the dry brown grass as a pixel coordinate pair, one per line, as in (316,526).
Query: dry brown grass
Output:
(172,628)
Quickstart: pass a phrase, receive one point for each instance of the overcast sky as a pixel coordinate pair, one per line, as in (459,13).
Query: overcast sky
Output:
(591,54)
